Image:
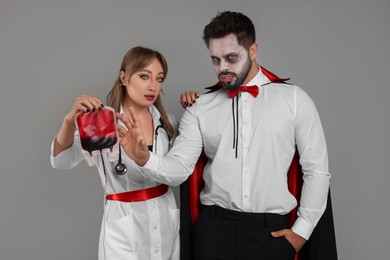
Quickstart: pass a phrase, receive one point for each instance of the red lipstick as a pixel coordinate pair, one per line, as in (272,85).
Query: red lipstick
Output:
(149,97)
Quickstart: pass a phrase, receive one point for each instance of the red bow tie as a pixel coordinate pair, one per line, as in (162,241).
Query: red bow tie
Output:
(253,90)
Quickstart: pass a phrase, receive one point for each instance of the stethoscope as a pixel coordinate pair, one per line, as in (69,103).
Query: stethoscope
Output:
(120,168)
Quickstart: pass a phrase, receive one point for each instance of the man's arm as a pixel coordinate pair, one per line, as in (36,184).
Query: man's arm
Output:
(311,144)
(178,164)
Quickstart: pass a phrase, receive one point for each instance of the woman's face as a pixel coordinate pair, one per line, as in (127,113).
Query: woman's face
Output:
(144,86)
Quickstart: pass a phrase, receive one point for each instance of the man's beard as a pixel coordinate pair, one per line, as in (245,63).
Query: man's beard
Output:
(239,78)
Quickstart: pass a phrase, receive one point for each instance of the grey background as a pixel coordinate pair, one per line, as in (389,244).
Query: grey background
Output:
(51,51)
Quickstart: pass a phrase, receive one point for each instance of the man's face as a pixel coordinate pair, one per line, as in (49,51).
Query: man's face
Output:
(230,60)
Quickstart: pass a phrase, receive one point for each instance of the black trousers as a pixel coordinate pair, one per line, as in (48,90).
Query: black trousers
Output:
(231,235)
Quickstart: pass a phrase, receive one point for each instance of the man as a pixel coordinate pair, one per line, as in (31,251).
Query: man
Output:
(249,135)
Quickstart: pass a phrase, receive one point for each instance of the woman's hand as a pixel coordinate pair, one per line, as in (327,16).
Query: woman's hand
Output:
(132,139)
(64,138)
(188,98)
(83,103)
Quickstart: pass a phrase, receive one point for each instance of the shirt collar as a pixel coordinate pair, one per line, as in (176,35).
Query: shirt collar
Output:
(259,79)
(152,109)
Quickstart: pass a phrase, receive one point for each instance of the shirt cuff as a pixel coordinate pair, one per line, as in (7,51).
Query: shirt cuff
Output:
(152,163)
(303,228)
(61,160)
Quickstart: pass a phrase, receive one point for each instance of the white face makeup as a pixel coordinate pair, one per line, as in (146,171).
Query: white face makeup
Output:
(230,60)
(144,86)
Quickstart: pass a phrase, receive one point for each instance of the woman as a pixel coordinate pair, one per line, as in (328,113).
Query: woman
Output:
(146,227)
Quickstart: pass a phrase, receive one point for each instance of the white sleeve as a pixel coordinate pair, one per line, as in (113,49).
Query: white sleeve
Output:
(311,144)
(178,164)
(68,158)
(174,124)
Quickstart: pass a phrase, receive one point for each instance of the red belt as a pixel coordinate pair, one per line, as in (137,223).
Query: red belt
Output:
(139,195)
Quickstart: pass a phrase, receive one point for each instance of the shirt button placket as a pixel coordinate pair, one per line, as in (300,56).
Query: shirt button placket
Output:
(245,146)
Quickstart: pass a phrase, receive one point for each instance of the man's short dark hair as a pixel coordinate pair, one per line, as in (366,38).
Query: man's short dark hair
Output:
(230,22)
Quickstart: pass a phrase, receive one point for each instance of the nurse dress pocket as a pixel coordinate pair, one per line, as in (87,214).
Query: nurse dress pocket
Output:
(120,237)
(175,219)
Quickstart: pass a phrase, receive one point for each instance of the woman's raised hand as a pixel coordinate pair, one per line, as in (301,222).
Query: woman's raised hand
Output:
(132,139)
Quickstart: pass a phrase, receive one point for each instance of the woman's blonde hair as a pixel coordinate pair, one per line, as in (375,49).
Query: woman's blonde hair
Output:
(134,60)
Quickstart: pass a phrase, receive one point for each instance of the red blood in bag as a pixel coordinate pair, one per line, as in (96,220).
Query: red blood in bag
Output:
(97,130)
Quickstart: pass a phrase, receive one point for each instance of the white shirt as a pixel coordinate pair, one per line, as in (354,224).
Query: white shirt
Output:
(271,126)
(145,230)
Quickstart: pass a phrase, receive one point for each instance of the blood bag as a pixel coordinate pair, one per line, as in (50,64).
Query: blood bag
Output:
(98,134)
